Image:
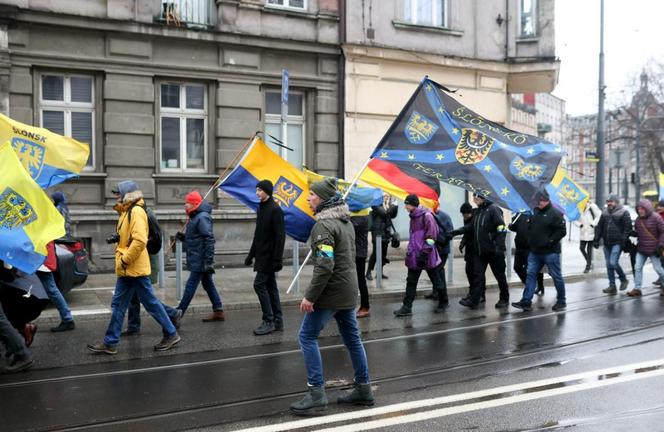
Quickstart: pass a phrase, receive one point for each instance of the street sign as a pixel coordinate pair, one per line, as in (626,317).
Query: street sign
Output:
(284,95)
(591,156)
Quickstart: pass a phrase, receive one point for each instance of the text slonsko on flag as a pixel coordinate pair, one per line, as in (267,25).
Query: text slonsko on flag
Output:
(358,199)
(290,187)
(436,139)
(567,195)
(28,218)
(48,157)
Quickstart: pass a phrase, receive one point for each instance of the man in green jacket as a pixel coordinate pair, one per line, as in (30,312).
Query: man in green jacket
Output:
(331,293)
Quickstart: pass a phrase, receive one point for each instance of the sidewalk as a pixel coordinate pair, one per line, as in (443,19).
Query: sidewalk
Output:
(92,300)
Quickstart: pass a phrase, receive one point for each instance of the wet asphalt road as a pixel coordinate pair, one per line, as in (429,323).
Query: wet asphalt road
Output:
(223,377)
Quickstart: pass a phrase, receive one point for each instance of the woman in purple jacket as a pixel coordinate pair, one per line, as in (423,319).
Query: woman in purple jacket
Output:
(649,228)
(421,255)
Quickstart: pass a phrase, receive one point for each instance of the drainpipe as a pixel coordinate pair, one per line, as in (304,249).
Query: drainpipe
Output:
(507,30)
(341,98)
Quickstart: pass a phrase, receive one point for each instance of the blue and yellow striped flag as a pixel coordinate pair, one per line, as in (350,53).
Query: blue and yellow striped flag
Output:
(28,218)
(359,200)
(567,195)
(48,157)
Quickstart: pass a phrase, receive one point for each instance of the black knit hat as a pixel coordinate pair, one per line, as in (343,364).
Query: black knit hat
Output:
(542,195)
(266,186)
(325,188)
(466,208)
(412,199)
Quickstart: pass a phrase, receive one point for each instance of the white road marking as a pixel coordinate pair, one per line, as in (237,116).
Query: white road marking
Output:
(409,418)
(90,311)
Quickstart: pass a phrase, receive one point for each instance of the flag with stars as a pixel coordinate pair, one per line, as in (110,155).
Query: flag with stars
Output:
(436,139)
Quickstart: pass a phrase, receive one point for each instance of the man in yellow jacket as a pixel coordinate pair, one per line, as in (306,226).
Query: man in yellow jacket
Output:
(132,266)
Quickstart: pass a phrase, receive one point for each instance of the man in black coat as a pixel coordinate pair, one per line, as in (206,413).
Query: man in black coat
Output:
(613,229)
(361,227)
(545,231)
(519,225)
(268,249)
(381,225)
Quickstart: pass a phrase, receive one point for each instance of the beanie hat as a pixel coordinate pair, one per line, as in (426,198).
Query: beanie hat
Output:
(194,198)
(466,208)
(542,194)
(58,198)
(266,186)
(412,199)
(325,189)
(614,198)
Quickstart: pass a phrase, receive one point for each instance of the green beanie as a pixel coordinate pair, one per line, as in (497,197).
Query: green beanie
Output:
(325,188)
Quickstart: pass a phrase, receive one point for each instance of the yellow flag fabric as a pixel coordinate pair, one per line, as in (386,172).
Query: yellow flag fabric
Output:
(48,157)
(28,218)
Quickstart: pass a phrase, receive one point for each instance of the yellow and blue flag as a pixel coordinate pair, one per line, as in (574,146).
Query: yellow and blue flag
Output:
(48,157)
(28,218)
(661,186)
(567,195)
(358,199)
(290,187)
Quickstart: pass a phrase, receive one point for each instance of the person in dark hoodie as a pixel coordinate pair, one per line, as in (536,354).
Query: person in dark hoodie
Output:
(519,225)
(332,292)
(267,249)
(546,229)
(613,229)
(649,227)
(466,246)
(61,204)
(361,226)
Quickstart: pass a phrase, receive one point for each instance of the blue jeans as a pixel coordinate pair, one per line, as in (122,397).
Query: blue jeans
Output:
(55,295)
(535,264)
(208,285)
(312,324)
(134,313)
(612,256)
(638,267)
(125,287)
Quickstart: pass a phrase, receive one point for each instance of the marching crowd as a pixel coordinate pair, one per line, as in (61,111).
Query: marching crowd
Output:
(339,244)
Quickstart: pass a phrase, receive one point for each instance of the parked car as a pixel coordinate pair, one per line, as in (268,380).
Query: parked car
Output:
(72,268)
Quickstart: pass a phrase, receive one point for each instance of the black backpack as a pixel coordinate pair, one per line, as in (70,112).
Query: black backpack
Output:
(441,239)
(154,231)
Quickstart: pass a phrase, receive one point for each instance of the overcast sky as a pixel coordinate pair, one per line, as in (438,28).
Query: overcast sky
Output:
(633,34)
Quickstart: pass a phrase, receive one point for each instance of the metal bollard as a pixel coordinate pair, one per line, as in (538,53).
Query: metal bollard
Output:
(296,264)
(450,263)
(162,265)
(379,261)
(508,263)
(178,270)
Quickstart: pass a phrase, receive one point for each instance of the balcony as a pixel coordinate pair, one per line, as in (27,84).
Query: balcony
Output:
(191,14)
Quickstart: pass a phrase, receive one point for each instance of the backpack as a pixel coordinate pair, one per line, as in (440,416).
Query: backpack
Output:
(441,239)
(154,231)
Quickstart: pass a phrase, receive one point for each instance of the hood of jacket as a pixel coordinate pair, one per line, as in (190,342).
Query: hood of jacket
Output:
(129,199)
(204,207)
(339,211)
(417,212)
(647,206)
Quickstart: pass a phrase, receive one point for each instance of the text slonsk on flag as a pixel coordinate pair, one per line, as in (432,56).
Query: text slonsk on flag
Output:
(28,218)
(359,199)
(436,139)
(48,157)
(567,195)
(290,187)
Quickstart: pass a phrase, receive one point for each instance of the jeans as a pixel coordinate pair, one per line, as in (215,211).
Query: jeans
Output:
(360,264)
(535,264)
(612,256)
(12,340)
(383,246)
(497,263)
(134,313)
(521,268)
(640,261)
(125,287)
(208,285)
(587,251)
(312,324)
(265,286)
(55,295)
(411,285)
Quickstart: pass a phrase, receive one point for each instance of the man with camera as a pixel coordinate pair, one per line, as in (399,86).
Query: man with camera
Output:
(132,266)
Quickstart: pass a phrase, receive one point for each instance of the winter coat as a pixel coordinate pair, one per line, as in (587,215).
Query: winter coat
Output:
(444,222)
(466,244)
(588,221)
(614,226)
(520,226)
(423,232)
(361,227)
(649,230)
(199,238)
(269,238)
(381,220)
(489,229)
(61,204)
(334,282)
(546,228)
(131,254)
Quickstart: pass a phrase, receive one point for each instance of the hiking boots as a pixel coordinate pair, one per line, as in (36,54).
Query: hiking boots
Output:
(635,293)
(167,342)
(278,325)
(18,365)
(524,306)
(63,326)
(266,327)
(403,311)
(362,313)
(559,306)
(102,348)
(610,290)
(369,277)
(215,316)
(623,285)
(361,395)
(312,404)
(467,302)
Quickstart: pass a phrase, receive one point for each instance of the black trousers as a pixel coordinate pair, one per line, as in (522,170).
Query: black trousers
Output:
(443,279)
(265,285)
(587,251)
(497,263)
(372,259)
(521,268)
(360,264)
(411,285)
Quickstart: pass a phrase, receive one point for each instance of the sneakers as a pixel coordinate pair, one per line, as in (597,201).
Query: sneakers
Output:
(167,342)
(559,306)
(266,327)
(442,306)
(362,313)
(131,332)
(102,348)
(18,365)
(610,290)
(403,311)
(177,319)
(360,396)
(369,277)
(524,306)
(314,403)
(28,333)
(635,293)
(502,303)
(623,285)
(63,326)
(467,302)
(215,316)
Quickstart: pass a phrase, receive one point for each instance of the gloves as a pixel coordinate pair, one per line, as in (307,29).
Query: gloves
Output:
(277,266)
(208,269)
(422,259)
(179,236)
(596,244)
(248,260)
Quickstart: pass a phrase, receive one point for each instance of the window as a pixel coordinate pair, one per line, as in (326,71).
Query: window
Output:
(426,12)
(183,127)
(292,4)
(296,125)
(527,15)
(66,107)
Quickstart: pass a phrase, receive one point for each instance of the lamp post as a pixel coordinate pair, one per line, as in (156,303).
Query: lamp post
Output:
(599,186)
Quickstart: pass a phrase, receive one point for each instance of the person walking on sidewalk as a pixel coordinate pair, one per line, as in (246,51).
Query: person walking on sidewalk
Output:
(267,249)
(60,203)
(444,222)
(132,266)
(381,225)
(519,225)
(45,275)
(660,211)
(332,292)
(649,228)
(361,227)
(421,255)
(587,223)
(546,229)
(466,246)
(613,229)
